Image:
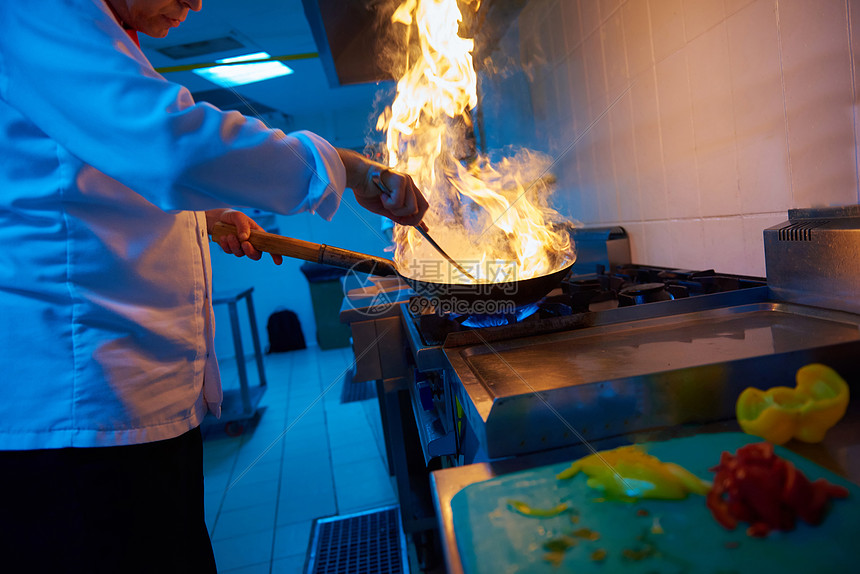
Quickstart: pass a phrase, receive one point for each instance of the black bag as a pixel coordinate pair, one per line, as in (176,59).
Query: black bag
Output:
(285,332)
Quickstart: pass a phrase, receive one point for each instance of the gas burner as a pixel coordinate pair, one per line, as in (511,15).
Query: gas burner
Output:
(435,326)
(592,294)
(499,319)
(639,293)
(632,284)
(584,291)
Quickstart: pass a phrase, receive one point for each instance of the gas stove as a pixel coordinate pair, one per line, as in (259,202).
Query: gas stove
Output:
(625,285)
(628,285)
(616,348)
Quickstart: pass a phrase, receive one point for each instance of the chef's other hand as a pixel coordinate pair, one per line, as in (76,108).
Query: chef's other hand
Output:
(395,195)
(237,244)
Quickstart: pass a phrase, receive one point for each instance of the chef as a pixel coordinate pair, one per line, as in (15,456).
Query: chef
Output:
(110,177)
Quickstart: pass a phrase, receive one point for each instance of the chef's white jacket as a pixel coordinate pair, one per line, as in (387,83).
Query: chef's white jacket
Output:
(106,332)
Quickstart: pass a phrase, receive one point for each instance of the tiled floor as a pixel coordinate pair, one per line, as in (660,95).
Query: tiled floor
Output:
(310,455)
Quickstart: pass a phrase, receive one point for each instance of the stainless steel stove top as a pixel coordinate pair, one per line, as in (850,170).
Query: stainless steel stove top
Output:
(622,374)
(598,364)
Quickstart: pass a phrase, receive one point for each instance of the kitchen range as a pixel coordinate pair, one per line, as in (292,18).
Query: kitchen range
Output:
(479,407)
(616,353)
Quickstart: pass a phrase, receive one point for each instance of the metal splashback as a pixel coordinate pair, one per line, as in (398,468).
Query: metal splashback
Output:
(814,258)
(600,246)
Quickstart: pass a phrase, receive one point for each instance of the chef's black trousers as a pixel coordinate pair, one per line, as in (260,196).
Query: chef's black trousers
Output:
(121,509)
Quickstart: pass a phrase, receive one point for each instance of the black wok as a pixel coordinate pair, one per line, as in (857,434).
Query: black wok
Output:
(517,293)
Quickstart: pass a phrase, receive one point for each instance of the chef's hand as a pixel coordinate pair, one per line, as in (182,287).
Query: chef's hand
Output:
(398,199)
(237,244)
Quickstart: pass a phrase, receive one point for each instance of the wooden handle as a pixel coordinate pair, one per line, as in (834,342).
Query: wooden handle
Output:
(274,244)
(313,252)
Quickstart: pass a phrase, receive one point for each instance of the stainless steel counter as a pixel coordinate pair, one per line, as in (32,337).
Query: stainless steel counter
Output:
(641,374)
(839,452)
(653,366)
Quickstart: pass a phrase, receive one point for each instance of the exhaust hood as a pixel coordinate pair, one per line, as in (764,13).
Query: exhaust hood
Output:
(351,34)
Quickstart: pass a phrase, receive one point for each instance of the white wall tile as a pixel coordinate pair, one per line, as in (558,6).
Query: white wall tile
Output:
(624,160)
(553,27)
(607,198)
(614,55)
(588,178)
(819,101)
(589,14)
(637,37)
(585,208)
(649,156)
(854,22)
(566,198)
(713,123)
(595,162)
(528,25)
(535,44)
(659,244)
(595,75)
(733,6)
(637,240)
(572,24)
(763,176)
(543,43)
(735,115)
(667,26)
(724,248)
(578,91)
(557,126)
(718,192)
(543,96)
(755,69)
(608,8)
(756,79)
(688,244)
(563,109)
(753,230)
(700,16)
(676,128)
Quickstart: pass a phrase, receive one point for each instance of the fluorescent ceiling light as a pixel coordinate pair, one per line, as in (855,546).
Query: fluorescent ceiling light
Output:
(239,74)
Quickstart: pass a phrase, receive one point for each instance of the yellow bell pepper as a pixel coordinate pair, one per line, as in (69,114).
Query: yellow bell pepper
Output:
(628,473)
(829,393)
(805,412)
(527,510)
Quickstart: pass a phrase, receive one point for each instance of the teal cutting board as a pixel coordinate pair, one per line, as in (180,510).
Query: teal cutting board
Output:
(492,539)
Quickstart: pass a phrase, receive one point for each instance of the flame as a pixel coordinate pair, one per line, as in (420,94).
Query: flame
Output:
(497,320)
(491,216)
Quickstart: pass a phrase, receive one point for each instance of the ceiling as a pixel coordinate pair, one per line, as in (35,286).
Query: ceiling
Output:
(278,27)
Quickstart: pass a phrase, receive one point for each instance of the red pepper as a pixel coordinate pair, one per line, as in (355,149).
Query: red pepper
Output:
(720,510)
(758,487)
